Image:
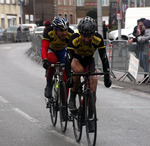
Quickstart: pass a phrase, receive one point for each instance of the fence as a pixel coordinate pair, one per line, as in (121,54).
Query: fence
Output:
(118,53)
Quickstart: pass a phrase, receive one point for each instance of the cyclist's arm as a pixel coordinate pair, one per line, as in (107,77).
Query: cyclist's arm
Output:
(103,55)
(69,56)
(45,47)
(104,58)
(45,43)
(68,60)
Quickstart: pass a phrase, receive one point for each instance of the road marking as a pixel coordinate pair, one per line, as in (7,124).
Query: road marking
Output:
(25,115)
(66,137)
(3,100)
(6,47)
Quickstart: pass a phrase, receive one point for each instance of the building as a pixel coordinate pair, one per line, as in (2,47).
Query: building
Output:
(89,7)
(67,9)
(37,11)
(9,13)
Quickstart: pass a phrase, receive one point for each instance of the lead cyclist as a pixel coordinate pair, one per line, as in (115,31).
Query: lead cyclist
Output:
(79,58)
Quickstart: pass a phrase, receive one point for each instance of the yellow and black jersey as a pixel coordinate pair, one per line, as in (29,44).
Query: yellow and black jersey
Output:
(80,48)
(55,42)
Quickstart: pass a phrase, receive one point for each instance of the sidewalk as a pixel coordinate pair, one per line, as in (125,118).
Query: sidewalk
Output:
(128,84)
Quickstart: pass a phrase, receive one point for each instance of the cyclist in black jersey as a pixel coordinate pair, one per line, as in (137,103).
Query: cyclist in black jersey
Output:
(79,57)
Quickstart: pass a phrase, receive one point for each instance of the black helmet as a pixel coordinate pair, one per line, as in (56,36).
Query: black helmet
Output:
(87,26)
(60,23)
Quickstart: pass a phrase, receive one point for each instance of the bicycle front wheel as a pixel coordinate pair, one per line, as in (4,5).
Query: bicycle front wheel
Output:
(77,119)
(63,112)
(90,118)
(54,104)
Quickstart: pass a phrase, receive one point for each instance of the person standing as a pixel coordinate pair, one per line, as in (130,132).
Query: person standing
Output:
(105,29)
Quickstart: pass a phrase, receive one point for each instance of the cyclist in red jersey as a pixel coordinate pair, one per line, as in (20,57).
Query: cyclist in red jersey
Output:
(54,42)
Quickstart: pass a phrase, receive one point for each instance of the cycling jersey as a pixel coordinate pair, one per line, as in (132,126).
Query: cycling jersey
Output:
(85,53)
(86,50)
(55,42)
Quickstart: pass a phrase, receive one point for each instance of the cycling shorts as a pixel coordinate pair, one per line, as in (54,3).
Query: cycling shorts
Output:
(59,54)
(88,66)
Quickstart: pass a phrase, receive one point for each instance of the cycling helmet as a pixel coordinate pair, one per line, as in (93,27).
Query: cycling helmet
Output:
(60,23)
(87,26)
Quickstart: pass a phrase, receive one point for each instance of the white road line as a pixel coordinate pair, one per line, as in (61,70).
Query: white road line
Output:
(66,137)
(3,100)
(6,48)
(25,115)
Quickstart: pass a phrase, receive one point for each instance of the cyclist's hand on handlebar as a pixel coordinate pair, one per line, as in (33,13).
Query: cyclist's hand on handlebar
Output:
(69,82)
(107,80)
(46,63)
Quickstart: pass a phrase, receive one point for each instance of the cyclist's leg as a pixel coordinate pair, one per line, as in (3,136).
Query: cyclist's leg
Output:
(93,86)
(77,68)
(52,59)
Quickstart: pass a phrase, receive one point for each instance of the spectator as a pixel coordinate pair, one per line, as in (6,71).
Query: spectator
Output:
(142,36)
(143,41)
(105,29)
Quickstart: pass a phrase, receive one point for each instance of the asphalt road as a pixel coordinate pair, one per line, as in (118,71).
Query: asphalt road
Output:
(123,113)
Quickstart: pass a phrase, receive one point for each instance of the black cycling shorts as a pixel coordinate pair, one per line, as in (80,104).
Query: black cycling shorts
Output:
(86,61)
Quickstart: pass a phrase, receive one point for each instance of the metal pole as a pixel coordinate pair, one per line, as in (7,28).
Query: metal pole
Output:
(21,11)
(135,3)
(34,11)
(128,3)
(99,16)
(119,21)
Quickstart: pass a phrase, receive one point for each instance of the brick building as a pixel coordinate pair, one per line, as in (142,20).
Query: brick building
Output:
(67,9)
(91,5)
(38,11)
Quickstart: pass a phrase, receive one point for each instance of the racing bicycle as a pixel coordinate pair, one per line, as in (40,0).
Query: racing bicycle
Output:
(58,101)
(82,116)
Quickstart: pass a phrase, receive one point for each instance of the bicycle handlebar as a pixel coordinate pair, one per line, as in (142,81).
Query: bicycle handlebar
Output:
(89,73)
(58,64)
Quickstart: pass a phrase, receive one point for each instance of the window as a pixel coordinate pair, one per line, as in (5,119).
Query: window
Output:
(13,1)
(70,2)
(7,1)
(65,3)
(2,1)
(66,16)
(3,22)
(59,2)
(26,18)
(71,19)
(105,2)
(80,2)
(26,2)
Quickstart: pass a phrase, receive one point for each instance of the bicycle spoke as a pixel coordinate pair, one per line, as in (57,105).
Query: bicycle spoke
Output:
(77,120)
(53,106)
(63,106)
(91,120)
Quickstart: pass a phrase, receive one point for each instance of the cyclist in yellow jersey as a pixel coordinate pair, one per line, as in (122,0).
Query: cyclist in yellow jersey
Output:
(54,42)
(79,57)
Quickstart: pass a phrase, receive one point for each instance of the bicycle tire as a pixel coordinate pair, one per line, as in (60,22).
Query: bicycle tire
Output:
(54,104)
(63,109)
(91,135)
(77,119)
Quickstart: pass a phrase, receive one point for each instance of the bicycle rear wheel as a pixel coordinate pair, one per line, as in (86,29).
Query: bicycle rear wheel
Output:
(54,104)
(63,112)
(77,119)
(90,118)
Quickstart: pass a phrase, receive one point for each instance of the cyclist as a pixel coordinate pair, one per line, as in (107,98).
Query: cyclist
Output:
(54,43)
(80,58)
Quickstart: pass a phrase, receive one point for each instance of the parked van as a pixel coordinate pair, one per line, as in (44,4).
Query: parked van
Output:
(131,17)
(31,27)
(133,14)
